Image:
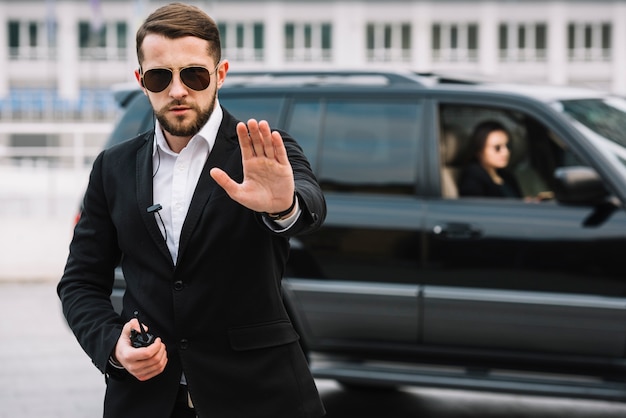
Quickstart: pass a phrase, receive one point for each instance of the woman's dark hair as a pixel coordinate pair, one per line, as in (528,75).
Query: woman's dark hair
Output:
(478,139)
(177,20)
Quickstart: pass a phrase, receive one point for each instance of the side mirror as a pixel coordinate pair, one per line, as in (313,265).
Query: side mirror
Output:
(579,186)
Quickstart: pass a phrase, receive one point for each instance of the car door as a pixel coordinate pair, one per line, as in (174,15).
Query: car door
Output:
(355,280)
(523,275)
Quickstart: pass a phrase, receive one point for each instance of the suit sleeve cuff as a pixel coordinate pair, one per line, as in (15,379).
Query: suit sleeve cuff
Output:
(280,225)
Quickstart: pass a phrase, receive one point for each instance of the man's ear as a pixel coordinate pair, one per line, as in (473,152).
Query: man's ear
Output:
(221,73)
(139,80)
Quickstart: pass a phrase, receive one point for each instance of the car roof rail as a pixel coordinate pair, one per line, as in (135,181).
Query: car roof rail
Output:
(322,78)
(432,78)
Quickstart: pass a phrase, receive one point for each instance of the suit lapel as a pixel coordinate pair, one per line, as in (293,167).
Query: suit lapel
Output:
(145,196)
(222,150)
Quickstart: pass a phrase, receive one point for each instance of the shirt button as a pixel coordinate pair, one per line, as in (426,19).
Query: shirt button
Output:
(183,344)
(179,285)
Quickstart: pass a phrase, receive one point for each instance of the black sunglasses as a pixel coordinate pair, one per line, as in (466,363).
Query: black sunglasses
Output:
(500,147)
(196,78)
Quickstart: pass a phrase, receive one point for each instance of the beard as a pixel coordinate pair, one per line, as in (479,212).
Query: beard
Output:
(179,126)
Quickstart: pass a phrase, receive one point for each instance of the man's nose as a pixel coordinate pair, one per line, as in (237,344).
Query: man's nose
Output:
(178,88)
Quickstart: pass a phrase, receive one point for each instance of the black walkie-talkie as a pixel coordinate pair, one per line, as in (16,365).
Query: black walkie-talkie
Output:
(140,339)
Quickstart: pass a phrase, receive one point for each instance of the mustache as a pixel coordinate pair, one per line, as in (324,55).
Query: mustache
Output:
(176,103)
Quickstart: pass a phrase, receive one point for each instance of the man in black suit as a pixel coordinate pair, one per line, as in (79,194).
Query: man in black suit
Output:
(199,213)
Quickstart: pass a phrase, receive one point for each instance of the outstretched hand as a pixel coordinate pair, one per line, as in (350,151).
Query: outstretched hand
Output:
(268,183)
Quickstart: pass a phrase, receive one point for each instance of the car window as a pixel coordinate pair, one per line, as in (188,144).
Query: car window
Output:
(136,118)
(305,126)
(244,107)
(535,151)
(369,146)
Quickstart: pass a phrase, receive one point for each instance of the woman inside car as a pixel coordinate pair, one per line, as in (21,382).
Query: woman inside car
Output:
(486,174)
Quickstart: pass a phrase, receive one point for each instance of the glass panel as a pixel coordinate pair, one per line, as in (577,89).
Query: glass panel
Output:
(406,36)
(122,33)
(605,117)
(84,32)
(606,36)
(370,147)
(588,37)
(436,37)
(454,37)
(222,29)
(327,36)
(289,36)
(521,36)
(503,35)
(472,34)
(308,36)
(32,34)
(370,36)
(259,41)
(541,41)
(571,36)
(388,37)
(246,107)
(14,34)
(239,35)
(305,127)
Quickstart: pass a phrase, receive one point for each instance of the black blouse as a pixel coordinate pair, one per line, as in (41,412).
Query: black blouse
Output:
(475,181)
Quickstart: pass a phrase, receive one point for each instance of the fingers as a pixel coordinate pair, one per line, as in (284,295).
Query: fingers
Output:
(144,363)
(247,151)
(279,148)
(224,180)
(149,361)
(257,139)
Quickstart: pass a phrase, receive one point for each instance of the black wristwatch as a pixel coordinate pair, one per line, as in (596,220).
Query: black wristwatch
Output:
(280,215)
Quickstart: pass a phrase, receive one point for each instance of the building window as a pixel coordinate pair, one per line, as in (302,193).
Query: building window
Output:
(30,40)
(242,41)
(523,41)
(589,41)
(388,42)
(455,42)
(309,42)
(107,42)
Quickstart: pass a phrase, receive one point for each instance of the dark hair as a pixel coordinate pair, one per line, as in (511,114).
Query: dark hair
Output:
(177,20)
(480,134)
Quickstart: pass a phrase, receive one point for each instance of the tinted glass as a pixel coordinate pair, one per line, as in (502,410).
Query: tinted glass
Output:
(305,128)
(137,118)
(369,146)
(259,108)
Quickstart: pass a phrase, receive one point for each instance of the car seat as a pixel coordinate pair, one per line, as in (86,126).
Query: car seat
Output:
(453,153)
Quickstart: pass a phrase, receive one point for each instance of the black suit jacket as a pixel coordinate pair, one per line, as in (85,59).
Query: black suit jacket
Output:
(475,181)
(219,310)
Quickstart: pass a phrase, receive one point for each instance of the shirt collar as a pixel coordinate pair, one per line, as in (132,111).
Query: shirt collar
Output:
(208,132)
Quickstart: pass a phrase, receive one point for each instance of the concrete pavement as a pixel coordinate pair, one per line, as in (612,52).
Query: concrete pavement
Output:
(43,370)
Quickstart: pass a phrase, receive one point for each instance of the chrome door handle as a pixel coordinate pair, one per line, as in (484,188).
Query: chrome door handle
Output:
(457,230)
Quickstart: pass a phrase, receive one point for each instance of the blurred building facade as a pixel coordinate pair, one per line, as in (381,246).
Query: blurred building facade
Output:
(60,57)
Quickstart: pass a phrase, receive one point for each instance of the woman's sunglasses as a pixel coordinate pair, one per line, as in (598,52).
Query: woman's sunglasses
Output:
(196,78)
(501,147)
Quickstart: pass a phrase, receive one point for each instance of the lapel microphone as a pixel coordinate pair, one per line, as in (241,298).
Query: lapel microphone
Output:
(154,208)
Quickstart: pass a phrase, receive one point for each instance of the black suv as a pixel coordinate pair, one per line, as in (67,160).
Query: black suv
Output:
(408,283)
